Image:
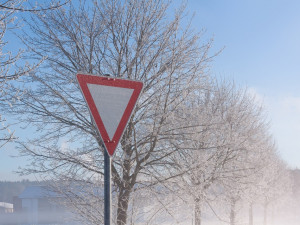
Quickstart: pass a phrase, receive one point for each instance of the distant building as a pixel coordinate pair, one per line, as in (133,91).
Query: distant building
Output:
(38,205)
(6,207)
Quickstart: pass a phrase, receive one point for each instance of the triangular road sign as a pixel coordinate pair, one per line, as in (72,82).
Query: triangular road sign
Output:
(111,102)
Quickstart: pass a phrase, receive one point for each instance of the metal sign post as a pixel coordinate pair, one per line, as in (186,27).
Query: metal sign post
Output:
(107,189)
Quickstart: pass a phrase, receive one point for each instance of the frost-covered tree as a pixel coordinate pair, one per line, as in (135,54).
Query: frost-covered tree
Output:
(9,71)
(11,67)
(222,130)
(276,183)
(243,187)
(135,39)
(264,150)
(261,178)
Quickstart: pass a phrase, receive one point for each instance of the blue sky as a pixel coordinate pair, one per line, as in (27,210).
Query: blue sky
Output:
(261,40)
(262,51)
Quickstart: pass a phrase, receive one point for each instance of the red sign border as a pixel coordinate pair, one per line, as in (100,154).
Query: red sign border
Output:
(137,86)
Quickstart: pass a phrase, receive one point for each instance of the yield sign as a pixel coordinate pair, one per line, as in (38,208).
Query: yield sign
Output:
(111,102)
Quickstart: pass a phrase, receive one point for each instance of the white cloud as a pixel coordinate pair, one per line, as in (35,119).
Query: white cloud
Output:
(284,113)
(291,104)
(260,99)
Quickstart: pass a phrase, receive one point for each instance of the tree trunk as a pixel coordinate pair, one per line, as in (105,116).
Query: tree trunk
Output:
(123,201)
(127,181)
(251,213)
(232,212)
(272,215)
(198,211)
(265,212)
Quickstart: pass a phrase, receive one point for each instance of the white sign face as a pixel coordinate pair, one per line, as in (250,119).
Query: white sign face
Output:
(111,103)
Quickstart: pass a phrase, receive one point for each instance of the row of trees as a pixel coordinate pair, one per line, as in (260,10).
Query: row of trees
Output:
(225,156)
(191,139)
